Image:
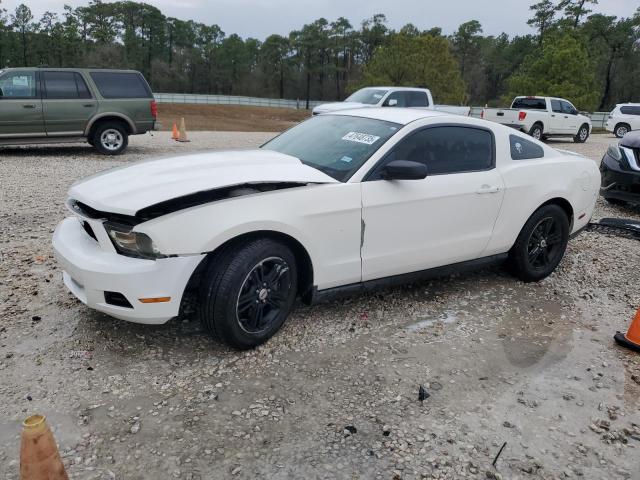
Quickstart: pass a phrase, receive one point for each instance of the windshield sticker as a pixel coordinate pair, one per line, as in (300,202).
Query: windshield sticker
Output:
(361,138)
(346,159)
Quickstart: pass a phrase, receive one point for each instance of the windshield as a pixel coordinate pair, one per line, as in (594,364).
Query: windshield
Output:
(368,96)
(337,145)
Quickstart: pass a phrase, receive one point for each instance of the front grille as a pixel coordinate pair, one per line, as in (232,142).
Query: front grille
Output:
(117,299)
(89,230)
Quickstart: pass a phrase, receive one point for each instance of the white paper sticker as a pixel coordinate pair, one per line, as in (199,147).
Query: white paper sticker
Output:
(346,159)
(361,138)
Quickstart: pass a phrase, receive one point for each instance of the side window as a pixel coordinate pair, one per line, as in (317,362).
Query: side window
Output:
(445,150)
(417,99)
(630,110)
(568,108)
(528,103)
(399,97)
(556,106)
(121,85)
(64,85)
(20,84)
(523,149)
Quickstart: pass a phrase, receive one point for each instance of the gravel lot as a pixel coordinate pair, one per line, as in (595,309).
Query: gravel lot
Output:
(335,394)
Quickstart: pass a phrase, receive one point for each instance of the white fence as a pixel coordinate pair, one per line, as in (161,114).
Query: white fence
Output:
(597,118)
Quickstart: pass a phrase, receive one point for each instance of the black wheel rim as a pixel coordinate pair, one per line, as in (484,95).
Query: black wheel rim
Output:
(264,295)
(545,243)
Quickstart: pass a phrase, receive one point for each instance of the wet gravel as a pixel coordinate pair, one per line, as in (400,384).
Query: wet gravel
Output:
(336,393)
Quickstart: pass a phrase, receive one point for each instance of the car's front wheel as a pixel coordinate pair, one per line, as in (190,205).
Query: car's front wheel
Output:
(582,134)
(541,244)
(110,138)
(248,292)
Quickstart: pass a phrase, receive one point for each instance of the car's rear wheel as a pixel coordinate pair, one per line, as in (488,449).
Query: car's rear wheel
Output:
(541,244)
(582,134)
(248,292)
(536,131)
(110,138)
(621,130)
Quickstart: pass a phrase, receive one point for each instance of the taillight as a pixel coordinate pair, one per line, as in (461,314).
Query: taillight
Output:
(522,116)
(154,109)
(482,114)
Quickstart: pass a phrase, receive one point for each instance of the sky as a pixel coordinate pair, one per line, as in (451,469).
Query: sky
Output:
(258,19)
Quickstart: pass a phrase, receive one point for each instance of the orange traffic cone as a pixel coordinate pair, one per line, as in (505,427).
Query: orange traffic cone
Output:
(39,457)
(632,338)
(183,132)
(174,132)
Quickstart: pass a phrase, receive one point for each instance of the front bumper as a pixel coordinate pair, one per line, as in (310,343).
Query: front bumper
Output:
(617,183)
(89,271)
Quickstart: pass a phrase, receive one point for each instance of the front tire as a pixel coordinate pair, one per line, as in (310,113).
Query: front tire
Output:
(541,244)
(248,292)
(536,131)
(582,134)
(110,138)
(621,130)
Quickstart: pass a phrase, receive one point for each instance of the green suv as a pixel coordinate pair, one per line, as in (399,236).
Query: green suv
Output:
(61,105)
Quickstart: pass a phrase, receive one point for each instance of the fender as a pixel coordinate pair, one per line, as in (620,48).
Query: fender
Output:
(100,116)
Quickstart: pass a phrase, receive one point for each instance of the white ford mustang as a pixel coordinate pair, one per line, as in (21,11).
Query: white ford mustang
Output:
(339,203)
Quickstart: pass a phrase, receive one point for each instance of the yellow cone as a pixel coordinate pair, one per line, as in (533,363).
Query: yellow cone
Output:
(182,137)
(39,457)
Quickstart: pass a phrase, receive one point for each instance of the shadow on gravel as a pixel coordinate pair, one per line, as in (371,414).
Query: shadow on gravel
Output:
(85,150)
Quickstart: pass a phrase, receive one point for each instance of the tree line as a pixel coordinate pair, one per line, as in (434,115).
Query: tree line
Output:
(591,59)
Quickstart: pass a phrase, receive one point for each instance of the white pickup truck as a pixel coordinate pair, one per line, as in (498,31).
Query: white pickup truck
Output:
(406,97)
(542,117)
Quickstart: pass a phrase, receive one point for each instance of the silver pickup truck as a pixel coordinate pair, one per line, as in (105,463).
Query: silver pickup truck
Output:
(542,117)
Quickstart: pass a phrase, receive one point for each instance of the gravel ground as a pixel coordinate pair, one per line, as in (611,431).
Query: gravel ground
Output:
(335,394)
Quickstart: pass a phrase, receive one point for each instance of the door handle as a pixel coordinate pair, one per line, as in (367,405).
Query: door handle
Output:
(553,116)
(89,105)
(29,105)
(487,189)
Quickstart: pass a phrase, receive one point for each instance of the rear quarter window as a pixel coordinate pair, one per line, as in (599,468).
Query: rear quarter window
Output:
(523,149)
(630,110)
(121,85)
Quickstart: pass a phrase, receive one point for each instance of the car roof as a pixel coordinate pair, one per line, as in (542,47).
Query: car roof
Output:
(421,89)
(402,116)
(70,69)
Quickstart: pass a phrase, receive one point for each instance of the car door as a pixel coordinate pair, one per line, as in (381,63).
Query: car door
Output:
(67,103)
(556,118)
(20,105)
(448,217)
(570,117)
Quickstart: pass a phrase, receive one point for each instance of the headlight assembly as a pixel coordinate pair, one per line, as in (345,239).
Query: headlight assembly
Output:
(131,244)
(615,152)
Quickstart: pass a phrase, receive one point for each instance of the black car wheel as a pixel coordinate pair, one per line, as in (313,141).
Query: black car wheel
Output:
(248,292)
(621,130)
(536,131)
(615,201)
(541,244)
(110,138)
(582,134)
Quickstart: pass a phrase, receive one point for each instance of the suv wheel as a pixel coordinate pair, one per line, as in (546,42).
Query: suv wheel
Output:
(110,138)
(621,130)
(541,244)
(536,131)
(248,292)
(582,134)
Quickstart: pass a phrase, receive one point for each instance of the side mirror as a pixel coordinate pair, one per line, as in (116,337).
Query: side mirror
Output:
(1,93)
(392,102)
(404,170)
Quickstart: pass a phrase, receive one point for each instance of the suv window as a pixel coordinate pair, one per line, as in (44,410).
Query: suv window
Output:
(556,106)
(20,84)
(400,97)
(530,103)
(523,149)
(121,85)
(630,110)
(445,150)
(64,85)
(417,99)
(568,108)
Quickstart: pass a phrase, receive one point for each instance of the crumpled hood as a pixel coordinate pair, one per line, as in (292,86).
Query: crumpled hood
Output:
(334,107)
(126,190)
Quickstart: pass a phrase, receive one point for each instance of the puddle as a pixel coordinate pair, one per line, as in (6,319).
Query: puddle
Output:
(445,317)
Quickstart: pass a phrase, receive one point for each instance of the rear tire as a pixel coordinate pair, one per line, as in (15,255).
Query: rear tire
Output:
(536,131)
(541,244)
(621,130)
(582,134)
(248,291)
(615,201)
(110,138)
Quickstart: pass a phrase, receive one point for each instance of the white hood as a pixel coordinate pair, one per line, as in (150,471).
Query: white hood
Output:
(126,190)
(334,107)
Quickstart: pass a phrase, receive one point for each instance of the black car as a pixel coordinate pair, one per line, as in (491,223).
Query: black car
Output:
(620,170)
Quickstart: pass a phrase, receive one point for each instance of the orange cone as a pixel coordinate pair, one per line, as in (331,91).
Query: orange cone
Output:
(183,132)
(39,457)
(174,132)
(632,338)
